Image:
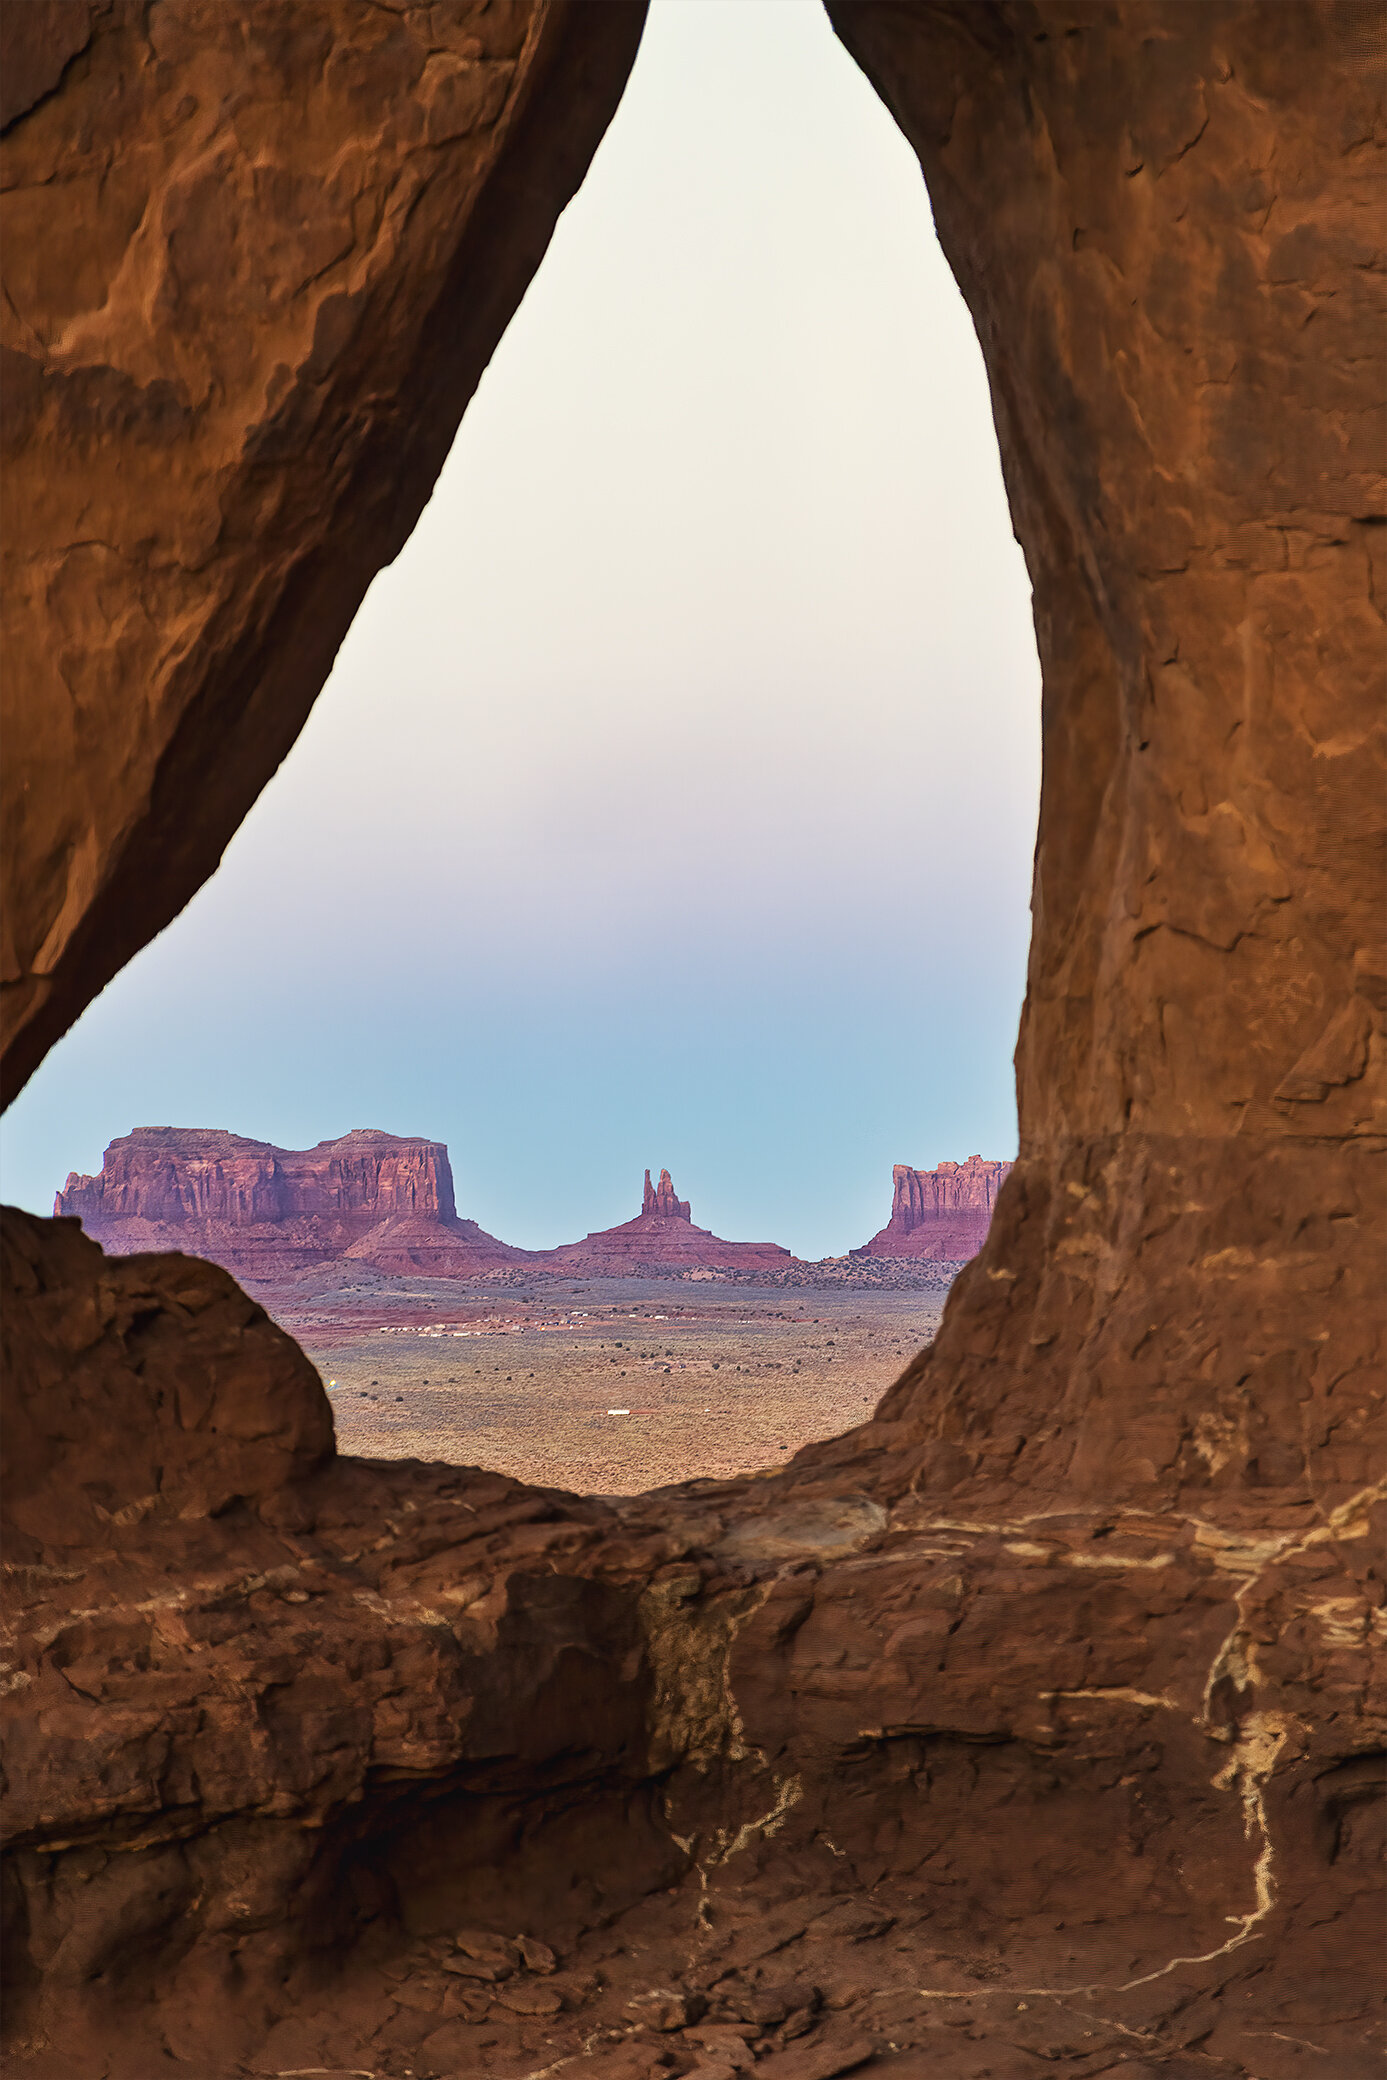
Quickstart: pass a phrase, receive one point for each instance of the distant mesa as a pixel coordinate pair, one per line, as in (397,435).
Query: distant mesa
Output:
(386,1202)
(942,1213)
(383,1200)
(662,1237)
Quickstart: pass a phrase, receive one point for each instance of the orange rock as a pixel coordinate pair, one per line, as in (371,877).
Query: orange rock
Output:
(662,1237)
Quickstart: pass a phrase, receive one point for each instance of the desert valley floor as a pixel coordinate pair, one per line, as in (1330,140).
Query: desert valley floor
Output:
(710,1379)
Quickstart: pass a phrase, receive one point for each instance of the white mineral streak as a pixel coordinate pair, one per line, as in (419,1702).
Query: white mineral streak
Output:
(1256,1739)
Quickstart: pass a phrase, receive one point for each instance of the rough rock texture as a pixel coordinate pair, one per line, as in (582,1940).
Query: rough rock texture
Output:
(777,1753)
(1169,225)
(1065,1670)
(662,1237)
(256,259)
(381,1199)
(164,1380)
(939,1213)
(661,1199)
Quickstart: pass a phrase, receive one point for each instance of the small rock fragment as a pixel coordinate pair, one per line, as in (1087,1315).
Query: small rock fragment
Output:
(535,1956)
(768,2005)
(476,1968)
(850,1921)
(419,1995)
(818,2061)
(528,1997)
(666,2008)
(573,1988)
(729,2042)
(487,1948)
(460,2003)
(845,1995)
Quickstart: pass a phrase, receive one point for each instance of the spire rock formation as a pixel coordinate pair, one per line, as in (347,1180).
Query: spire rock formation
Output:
(662,1201)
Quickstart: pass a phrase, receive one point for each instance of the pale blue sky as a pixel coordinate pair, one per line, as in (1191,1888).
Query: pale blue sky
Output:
(673,799)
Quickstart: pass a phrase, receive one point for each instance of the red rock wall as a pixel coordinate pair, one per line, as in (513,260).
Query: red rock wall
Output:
(1168,223)
(940,1213)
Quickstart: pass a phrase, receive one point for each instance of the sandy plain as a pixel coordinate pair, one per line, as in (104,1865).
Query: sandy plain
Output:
(603,1386)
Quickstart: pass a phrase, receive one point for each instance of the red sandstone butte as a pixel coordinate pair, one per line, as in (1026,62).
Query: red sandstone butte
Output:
(663,1237)
(942,1213)
(380,1199)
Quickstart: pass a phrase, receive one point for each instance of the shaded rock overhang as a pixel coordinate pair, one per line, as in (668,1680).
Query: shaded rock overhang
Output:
(258,261)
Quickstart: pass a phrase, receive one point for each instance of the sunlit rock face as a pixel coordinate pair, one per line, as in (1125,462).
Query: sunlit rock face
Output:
(381,1199)
(1064,1673)
(940,1213)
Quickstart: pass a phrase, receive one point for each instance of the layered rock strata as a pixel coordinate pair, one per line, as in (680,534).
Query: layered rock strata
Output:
(662,1237)
(940,1213)
(1071,1659)
(385,1200)
(789,1752)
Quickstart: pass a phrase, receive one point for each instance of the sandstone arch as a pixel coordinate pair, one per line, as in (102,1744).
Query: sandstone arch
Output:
(277,291)
(1106,1550)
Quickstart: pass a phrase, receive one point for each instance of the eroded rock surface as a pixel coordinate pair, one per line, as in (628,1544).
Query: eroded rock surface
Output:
(662,1237)
(1033,1727)
(256,260)
(662,1199)
(943,1213)
(845,1770)
(381,1199)
(1169,229)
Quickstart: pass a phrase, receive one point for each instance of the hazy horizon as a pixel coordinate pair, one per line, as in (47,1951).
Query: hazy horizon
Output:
(673,797)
